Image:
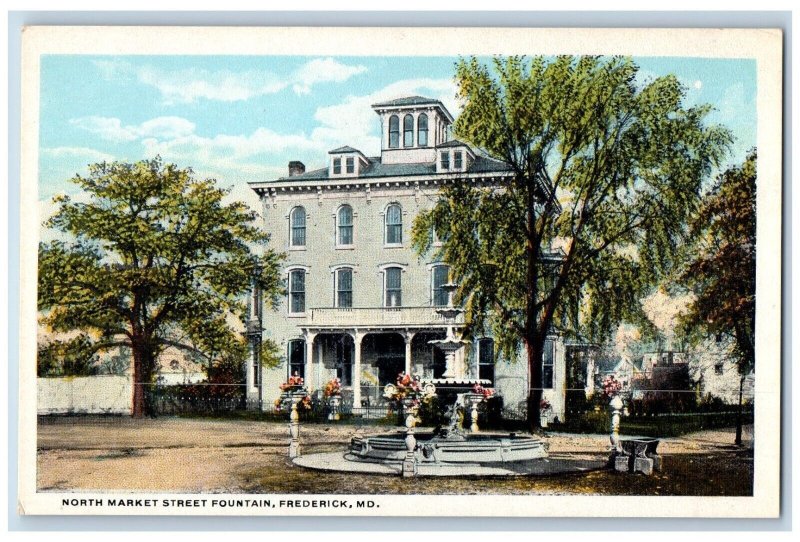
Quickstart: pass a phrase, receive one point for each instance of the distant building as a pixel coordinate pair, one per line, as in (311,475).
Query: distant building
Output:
(361,302)
(716,373)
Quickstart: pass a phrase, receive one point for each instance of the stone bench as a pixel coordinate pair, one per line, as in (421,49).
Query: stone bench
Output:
(637,455)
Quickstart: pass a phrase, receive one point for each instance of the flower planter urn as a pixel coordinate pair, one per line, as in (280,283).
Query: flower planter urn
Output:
(334,403)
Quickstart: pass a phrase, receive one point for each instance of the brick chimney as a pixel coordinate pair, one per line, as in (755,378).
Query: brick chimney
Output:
(296,168)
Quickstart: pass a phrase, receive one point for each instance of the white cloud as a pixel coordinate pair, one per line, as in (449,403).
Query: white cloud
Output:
(263,153)
(322,70)
(190,85)
(112,129)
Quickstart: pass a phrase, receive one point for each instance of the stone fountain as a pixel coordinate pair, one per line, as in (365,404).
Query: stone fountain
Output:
(453,450)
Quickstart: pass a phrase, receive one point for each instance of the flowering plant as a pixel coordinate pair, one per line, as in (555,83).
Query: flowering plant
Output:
(292,387)
(333,388)
(407,389)
(284,402)
(480,390)
(611,386)
(295,382)
(544,404)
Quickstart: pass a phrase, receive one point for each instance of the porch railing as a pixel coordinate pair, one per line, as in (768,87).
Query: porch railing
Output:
(377,317)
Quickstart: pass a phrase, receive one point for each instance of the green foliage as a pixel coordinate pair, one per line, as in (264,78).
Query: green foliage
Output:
(75,357)
(605,168)
(722,270)
(271,354)
(157,259)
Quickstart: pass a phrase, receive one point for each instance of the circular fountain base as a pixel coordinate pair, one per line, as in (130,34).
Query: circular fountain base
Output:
(483,454)
(452,449)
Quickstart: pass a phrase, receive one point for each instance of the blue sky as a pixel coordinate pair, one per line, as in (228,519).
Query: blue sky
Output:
(243,118)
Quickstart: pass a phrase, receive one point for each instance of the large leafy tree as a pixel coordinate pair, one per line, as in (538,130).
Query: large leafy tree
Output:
(154,259)
(607,170)
(722,271)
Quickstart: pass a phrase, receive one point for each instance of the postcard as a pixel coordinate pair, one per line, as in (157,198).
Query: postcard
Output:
(400,271)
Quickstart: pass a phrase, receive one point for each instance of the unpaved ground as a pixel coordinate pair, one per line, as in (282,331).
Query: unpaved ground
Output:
(230,456)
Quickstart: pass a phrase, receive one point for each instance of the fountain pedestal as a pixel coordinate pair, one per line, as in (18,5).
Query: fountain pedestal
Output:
(410,460)
(294,432)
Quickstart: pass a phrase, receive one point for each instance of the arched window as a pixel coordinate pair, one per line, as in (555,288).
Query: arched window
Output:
(486,359)
(344,287)
(394,132)
(422,130)
(408,131)
(297,219)
(297,291)
(297,358)
(393,287)
(440,275)
(394,225)
(344,226)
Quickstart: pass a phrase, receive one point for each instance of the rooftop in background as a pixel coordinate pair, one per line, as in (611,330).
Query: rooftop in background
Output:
(377,169)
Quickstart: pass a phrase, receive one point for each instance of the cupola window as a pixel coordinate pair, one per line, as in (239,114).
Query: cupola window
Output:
(394,132)
(422,130)
(408,131)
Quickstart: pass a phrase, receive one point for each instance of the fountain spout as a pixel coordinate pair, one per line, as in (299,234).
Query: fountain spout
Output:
(450,344)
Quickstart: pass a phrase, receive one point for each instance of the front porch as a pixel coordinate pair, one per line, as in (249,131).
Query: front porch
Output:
(366,360)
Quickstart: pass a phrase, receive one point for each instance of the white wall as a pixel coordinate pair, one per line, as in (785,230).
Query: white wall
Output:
(84,395)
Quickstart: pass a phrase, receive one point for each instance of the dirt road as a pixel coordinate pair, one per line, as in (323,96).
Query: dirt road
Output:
(233,456)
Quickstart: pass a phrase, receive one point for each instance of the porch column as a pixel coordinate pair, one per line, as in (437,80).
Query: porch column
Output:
(408,336)
(309,370)
(357,336)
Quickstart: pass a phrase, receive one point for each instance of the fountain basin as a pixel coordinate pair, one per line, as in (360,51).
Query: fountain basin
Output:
(453,449)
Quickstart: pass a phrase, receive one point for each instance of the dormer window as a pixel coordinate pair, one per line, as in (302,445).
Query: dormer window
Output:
(408,131)
(422,130)
(445,160)
(458,160)
(394,132)
(347,161)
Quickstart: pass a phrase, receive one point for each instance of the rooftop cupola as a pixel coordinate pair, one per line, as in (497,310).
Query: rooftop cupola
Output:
(411,129)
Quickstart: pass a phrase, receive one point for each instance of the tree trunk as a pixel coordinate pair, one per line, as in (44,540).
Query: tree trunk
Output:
(535,350)
(143,364)
(138,408)
(738,440)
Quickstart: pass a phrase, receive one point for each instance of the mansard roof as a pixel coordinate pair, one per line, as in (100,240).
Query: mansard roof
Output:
(376,169)
(409,100)
(343,150)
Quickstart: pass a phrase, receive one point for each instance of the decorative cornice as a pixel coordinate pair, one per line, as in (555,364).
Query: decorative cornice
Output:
(316,186)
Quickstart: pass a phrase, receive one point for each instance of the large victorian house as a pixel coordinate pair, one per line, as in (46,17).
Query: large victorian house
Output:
(361,303)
